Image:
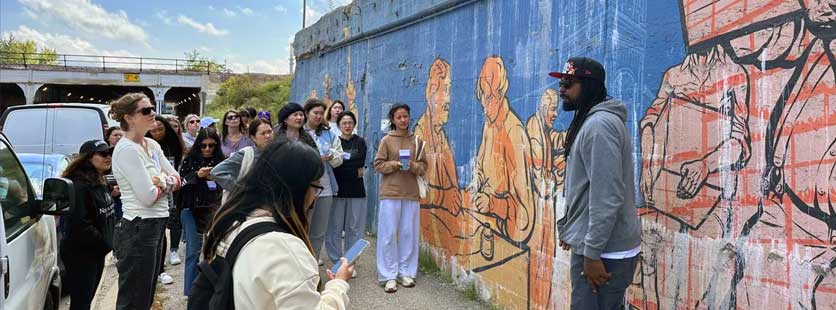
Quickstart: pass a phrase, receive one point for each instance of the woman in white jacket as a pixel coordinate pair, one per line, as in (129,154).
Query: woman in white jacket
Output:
(277,270)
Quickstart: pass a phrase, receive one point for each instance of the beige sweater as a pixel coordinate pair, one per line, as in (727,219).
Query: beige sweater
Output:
(397,183)
(276,271)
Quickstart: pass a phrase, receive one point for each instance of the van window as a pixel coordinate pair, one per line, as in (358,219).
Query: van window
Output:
(14,193)
(52,130)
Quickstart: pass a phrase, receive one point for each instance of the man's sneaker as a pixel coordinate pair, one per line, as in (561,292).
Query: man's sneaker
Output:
(391,286)
(406,281)
(166,279)
(173,258)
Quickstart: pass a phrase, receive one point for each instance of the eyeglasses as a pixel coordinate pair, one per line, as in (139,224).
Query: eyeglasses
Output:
(232,117)
(104,153)
(208,145)
(146,110)
(567,83)
(318,188)
(194,121)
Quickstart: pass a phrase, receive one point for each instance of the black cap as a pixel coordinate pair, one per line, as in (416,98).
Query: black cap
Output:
(582,67)
(94,146)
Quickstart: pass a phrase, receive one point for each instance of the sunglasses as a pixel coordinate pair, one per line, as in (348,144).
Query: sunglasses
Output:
(208,145)
(194,121)
(232,117)
(146,110)
(567,83)
(104,153)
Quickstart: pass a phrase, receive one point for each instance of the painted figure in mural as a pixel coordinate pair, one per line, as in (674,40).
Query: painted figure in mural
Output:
(350,92)
(778,76)
(503,188)
(546,162)
(601,226)
(442,217)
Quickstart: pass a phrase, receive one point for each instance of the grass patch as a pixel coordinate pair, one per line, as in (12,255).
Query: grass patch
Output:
(429,267)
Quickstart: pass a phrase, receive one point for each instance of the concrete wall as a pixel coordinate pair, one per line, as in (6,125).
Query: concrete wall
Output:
(729,101)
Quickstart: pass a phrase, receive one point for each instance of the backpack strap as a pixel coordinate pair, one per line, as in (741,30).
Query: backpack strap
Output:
(245,236)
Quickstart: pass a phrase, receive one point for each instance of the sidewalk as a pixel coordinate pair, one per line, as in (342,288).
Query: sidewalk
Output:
(365,293)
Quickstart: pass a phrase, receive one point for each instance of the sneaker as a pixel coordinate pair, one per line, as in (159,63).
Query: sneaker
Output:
(321,262)
(173,258)
(354,274)
(406,281)
(166,279)
(391,286)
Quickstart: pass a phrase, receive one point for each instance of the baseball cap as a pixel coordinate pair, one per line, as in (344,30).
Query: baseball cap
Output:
(581,67)
(207,121)
(94,146)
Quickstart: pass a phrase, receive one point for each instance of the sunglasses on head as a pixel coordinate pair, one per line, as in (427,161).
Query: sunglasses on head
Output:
(147,110)
(208,145)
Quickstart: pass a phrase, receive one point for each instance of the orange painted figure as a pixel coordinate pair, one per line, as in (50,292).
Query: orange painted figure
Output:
(503,187)
(350,92)
(545,153)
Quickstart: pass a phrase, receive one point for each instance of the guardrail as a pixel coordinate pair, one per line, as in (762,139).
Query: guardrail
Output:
(70,61)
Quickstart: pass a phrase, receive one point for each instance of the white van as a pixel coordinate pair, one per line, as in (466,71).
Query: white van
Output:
(28,239)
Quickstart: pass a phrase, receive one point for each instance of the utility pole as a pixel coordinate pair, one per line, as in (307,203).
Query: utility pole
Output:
(304,12)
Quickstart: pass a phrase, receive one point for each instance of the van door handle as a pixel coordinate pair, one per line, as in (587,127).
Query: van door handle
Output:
(4,263)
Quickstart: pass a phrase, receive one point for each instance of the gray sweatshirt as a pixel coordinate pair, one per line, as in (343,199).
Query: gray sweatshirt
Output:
(601,214)
(226,173)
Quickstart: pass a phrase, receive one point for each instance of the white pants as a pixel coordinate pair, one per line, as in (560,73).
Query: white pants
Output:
(397,239)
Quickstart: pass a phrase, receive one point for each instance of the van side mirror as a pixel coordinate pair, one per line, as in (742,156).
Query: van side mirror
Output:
(59,196)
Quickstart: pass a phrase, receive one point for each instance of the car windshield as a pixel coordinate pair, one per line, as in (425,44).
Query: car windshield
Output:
(52,130)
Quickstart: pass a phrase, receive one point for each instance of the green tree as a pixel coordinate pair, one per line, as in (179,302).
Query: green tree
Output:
(17,52)
(242,91)
(197,62)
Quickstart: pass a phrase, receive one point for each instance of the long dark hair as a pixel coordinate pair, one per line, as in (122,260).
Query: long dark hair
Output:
(279,185)
(109,132)
(392,110)
(593,92)
(328,115)
(172,143)
(312,103)
(195,153)
(225,129)
(82,169)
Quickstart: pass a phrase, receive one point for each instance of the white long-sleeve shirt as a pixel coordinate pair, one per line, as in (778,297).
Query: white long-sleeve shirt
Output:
(133,168)
(277,271)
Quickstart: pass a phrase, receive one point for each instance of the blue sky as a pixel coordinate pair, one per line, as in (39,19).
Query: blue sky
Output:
(250,36)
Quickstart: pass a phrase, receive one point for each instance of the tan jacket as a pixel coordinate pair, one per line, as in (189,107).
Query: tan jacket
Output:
(277,271)
(397,183)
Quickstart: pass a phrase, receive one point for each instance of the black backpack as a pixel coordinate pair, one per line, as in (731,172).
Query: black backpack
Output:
(212,290)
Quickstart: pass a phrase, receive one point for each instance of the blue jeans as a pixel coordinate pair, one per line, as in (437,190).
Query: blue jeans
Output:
(193,243)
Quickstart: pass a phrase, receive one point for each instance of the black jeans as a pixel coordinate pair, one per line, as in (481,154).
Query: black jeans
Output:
(84,271)
(138,247)
(610,296)
(175,228)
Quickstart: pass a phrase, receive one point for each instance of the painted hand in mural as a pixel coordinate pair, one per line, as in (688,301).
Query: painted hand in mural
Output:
(694,174)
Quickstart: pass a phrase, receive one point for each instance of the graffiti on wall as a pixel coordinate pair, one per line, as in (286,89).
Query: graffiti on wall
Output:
(738,147)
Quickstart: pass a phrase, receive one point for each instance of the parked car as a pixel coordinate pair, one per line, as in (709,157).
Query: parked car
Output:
(29,251)
(55,128)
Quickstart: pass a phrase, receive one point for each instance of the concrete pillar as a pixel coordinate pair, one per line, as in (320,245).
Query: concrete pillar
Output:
(202,96)
(159,97)
(29,91)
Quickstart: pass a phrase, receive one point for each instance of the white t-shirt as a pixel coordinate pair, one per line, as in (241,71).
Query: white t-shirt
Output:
(133,168)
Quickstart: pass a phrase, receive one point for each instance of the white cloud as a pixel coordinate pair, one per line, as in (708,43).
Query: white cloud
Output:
(63,44)
(230,13)
(276,66)
(207,28)
(163,16)
(246,11)
(280,8)
(83,15)
(211,8)
(311,16)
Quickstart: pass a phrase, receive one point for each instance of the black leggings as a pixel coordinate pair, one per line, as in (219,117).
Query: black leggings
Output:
(84,271)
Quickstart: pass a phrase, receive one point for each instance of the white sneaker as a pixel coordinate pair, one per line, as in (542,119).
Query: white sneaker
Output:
(406,281)
(391,286)
(173,258)
(166,279)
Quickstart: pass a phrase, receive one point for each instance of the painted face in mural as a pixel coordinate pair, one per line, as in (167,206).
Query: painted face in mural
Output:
(401,119)
(438,91)
(822,13)
(295,120)
(570,93)
(493,84)
(548,106)
(315,117)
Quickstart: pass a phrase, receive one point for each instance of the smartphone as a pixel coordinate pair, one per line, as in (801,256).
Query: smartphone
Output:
(352,254)
(111,179)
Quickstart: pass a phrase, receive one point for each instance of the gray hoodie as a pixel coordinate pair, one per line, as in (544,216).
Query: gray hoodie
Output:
(601,214)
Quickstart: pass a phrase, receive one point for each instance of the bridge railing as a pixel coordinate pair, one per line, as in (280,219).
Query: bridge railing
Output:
(82,62)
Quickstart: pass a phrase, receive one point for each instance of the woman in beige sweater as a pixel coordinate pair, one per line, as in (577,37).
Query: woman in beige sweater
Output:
(398,219)
(277,270)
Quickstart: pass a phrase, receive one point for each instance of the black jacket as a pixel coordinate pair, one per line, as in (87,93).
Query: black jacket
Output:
(196,193)
(304,137)
(90,224)
(350,183)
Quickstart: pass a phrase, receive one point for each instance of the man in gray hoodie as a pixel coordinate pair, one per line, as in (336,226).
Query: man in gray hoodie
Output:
(601,226)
